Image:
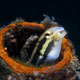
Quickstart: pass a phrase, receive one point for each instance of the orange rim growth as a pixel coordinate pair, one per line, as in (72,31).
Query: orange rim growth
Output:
(19,68)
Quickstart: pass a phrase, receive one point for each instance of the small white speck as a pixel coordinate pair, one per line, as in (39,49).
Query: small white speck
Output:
(42,75)
(35,73)
(9,77)
(48,68)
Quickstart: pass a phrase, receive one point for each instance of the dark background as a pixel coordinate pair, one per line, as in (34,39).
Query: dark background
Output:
(66,13)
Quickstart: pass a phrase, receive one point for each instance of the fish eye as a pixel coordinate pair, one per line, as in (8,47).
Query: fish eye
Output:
(47,34)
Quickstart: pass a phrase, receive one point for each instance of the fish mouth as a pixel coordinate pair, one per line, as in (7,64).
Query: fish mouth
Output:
(61,35)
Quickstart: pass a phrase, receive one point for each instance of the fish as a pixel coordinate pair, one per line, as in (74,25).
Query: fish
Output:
(48,47)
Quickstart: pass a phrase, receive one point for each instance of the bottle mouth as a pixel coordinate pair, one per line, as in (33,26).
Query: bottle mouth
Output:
(6,52)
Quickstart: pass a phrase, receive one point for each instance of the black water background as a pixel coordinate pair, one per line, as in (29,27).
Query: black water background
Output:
(66,13)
